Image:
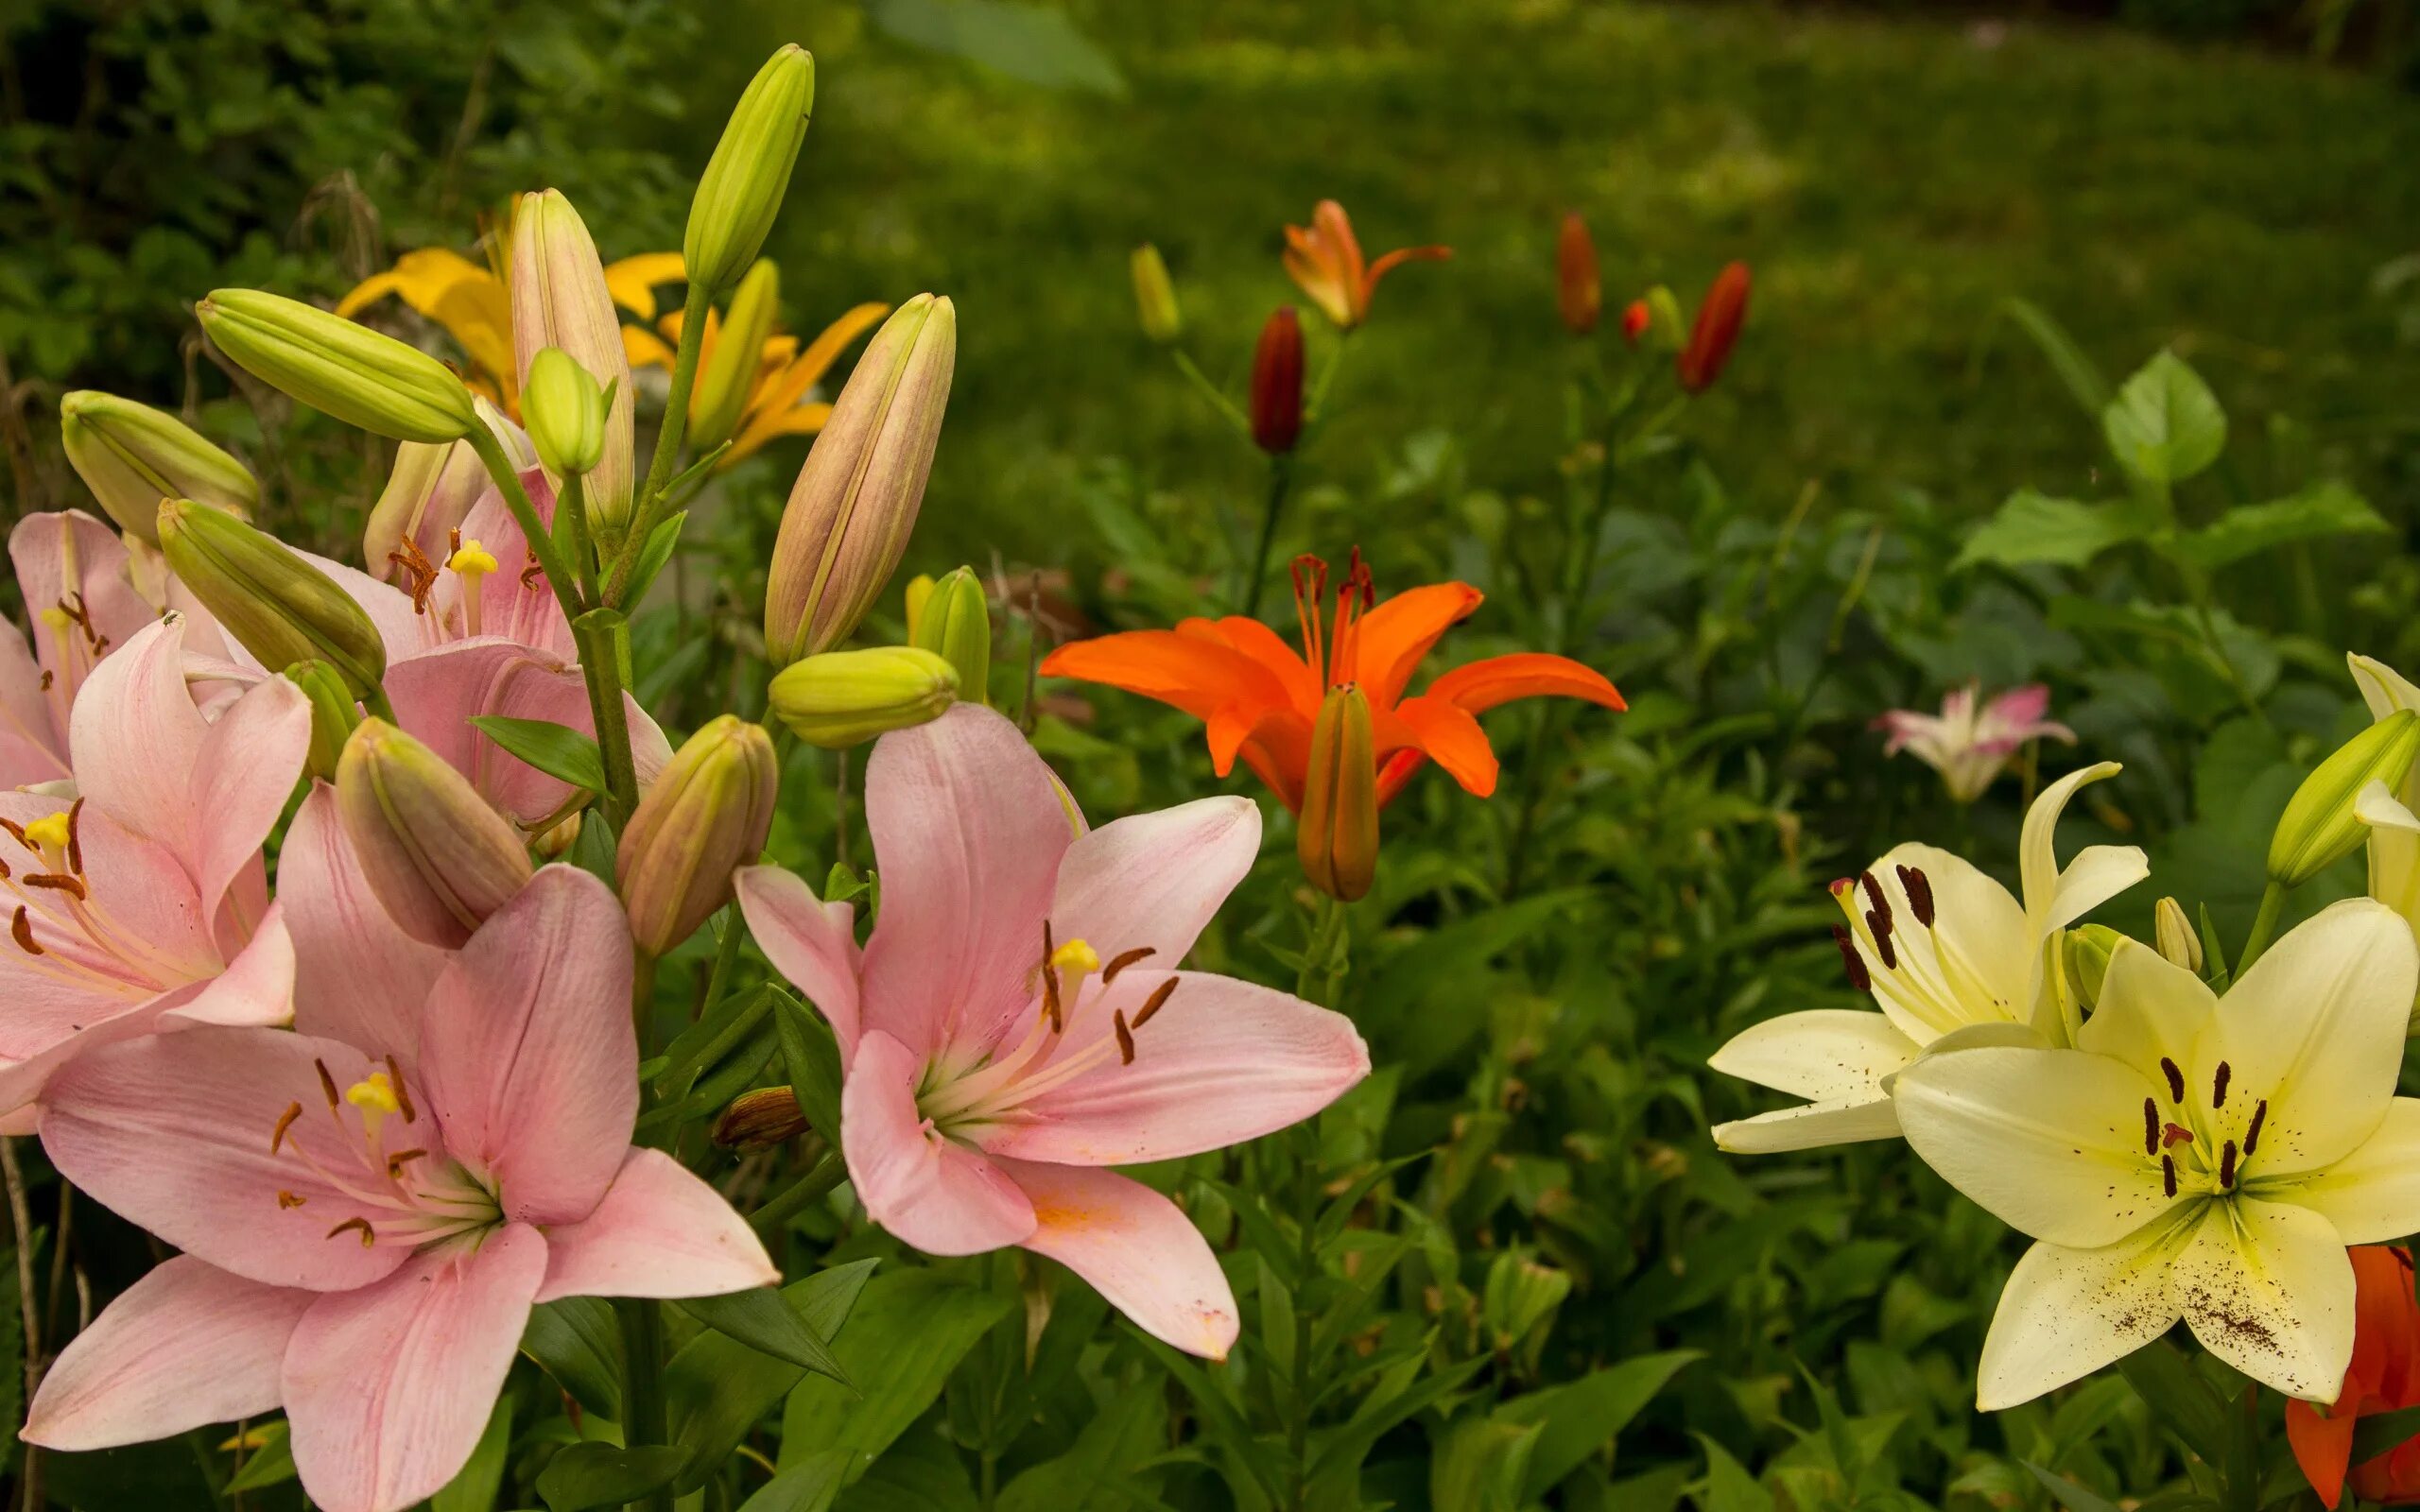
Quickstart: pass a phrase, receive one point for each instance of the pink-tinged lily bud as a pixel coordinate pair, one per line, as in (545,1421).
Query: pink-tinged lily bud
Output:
(1717,330)
(1635,320)
(1336,837)
(760,1120)
(276,604)
(1155,303)
(1577,290)
(1277,383)
(2180,943)
(131,456)
(362,377)
(438,859)
(952,618)
(704,815)
(559,299)
(855,500)
(742,187)
(728,374)
(566,413)
(844,698)
(2319,826)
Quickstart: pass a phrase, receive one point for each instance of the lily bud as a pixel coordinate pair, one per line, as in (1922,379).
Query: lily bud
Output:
(1155,303)
(842,698)
(1336,837)
(2179,942)
(1637,317)
(335,715)
(438,859)
(855,500)
(2319,826)
(1717,330)
(131,456)
(728,375)
(360,376)
(1577,290)
(705,814)
(2088,948)
(566,413)
(742,187)
(1277,383)
(559,299)
(273,602)
(760,1120)
(953,618)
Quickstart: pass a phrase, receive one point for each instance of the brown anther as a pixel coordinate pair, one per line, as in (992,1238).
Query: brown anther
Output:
(74,837)
(1873,898)
(454,541)
(419,571)
(2173,1135)
(395,1163)
(284,1122)
(1859,977)
(1125,1037)
(19,831)
(1158,999)
(2218,1084)
(21,929)
(2150,1126)
(2175,1080)
(1881,925)
(5,873)
(1122,960)
(327,1084)
(402,1096)
(2167,1173)
(47,679)
(59,881)
(2252,1135)
(288,1199)
(532,574)
(2227,1166)
(1919,890)
(369,1235)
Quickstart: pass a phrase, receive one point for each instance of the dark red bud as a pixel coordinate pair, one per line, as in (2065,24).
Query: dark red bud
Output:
(1637,317)
(1277,383)
(1717,329)
(1576,287)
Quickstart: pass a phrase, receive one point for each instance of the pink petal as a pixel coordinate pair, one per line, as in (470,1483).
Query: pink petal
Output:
(136,740)
(257,987)
(526,1052)
(187,1346)
(523,611)
(1222,1062)
(812,943)
(172,1133)
(249,762)
(71,552)
(659,1232)
(968,829)
(406,631)
(2019,706)
(388,1387)
(1136,1249)
(358,977)
(437,691)
(1154,879)
(933,1193)
(32,748)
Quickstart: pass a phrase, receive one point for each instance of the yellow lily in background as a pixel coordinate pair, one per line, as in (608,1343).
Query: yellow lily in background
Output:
(777,404)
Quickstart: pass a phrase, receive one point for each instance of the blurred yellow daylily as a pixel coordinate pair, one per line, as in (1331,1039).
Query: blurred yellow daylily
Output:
(777,404)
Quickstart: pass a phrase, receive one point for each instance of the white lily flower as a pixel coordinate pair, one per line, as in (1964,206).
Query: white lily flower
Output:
(2191,1158)
(1945,951)
(2395,832)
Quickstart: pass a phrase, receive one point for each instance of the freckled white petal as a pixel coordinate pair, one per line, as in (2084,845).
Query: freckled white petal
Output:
(2373,1195)
(2050,1142)
(2267,1288)
(2383,689)
(1827,1052)
(1810,1125)
(2150,1010)
(1973,965)
(2066,1313)
(2055,899)
(2316,1027)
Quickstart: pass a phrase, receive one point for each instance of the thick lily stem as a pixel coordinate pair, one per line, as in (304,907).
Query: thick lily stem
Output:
(643,1415)
(600,660)
(2264,924)
(650,510)
(820,1179)
(525,514)
(21,1216)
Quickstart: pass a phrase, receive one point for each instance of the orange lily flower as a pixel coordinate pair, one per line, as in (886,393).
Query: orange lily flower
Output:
(2382,1376)
(1324,258)
(1260,698)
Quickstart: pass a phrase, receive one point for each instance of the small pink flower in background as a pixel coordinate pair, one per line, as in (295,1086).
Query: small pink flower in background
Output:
(1017,1024)
(142,896)
(1971,747)
(371,1206)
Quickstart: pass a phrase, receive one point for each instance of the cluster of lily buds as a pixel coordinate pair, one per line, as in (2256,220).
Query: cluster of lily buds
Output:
(705,815)
(365,378)
(133,457)
(560,301)
(727,372)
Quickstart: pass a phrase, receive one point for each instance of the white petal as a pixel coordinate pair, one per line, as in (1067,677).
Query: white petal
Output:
(2373,1195)
(2066,1313)
(2383,689)
(1973,964)
(2395,850)
(1810,1126)
(1822,1055)
(2150,1010)
(2053,900)
(2267,1288)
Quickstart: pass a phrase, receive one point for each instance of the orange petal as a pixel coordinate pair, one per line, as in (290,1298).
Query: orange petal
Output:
(1189,672)
(1391,638)
(1395,259)
(833,340)
(1453,740)
(1482,685)
(1396,770)
(2323,1446)
(1273,651)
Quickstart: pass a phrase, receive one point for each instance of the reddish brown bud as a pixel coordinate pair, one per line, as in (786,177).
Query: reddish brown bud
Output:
(1717,329)
(1277,383)
(760,1120)
(1576,287)
(1637,317)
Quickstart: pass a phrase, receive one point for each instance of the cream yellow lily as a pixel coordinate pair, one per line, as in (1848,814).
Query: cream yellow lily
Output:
(1946,952)
(2394,828)
(2191,1157)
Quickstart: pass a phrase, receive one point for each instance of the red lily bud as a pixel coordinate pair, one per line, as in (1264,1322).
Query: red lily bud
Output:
(1717,329)
(1277,383)
(1637,317)
(1575,285)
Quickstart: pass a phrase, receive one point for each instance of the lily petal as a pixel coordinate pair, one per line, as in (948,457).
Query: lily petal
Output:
(2372,1194)
(2266,1288)
(1975,964)
(1820,1054)
(1193,673)
(812,943)
(1136,1249)
(1154,879)
(1448,735)
(2066,1313)
(1810,1125)
(932,1192)
(1479,686)
(1390,641)
(659,1232)
(2150,1010)
(2055,899)
(358,977)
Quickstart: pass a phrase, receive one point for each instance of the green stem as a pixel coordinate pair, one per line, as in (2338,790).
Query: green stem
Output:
(648,510)
(643,1415)
(600,660)
(726,956)
(1298,1430)
(1280,481)
(643,1001)
(785,1204)
(525,514)
(571,516)
(1328,380)
(1209,391)
(378,704)
(2264,924)
(1317,979)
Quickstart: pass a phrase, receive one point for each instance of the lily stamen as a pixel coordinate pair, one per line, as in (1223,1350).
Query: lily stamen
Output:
(2218,1084)
(2175,1080)
(2252,1135)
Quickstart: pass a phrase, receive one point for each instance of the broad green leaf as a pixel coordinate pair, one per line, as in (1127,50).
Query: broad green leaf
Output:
(558,751)
(811,1059)
(599,1474)
(658,551)
(1728,1488)
(1481,1465)
(2035,528)
(806,1487)
(2069,1494)
(1095,1475)
(2165,425)
(1576,1419)
(2320,510)
(717,1389)
(711,1038)
(474,1489)
(2179,1398)
(2381,1432)
(576,1341)
(908,1332)
(764,1322)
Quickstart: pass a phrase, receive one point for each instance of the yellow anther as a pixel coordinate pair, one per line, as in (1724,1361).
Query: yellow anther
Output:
(1078,957)
(375,1095)
(472,560)
(57,618)
(50,831)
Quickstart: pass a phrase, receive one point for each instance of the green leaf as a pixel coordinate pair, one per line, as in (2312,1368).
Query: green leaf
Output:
(810,1486)
(764,1321)
(1728,1488)
(1576,1420)
(1481,1465)
(2179,1399)
(661,543)
(717,1389)
(2384,1433)
(596,1474)
(271,1462)
(576,1341)
(811,1057)
(475,1488)
(1116,1441)
(2079,373)
(908,1332)
(558,751)
(2320,510)
(2036,529)
(1030,43)
(2069,1494)
(711,1038)
(2165,425)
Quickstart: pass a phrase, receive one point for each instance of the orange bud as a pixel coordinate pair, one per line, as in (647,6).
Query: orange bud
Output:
(1717,330)
(1576,286)
(759,1120)
(1277,383)
(1336,837)
(1637,317)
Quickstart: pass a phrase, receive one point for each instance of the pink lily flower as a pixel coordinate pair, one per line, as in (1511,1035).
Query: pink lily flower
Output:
(141,902)
(81,592)
(1970,748)
(1017,1024)
(365,1221)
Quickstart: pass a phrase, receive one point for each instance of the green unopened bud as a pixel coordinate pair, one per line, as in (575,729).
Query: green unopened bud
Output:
(1336,836)
(953,618)
(1155,303)
(566,413)
(274,603)
(2179,942)
(704,815)
(438,859)
(842,698)
(335,713)
(1668,329)
(742,187)
(429,493)
(559,299)
(760,1120)
(2320,827)
(133,457)
(338,365)
(728,374)
(855,500)
(2088,948)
